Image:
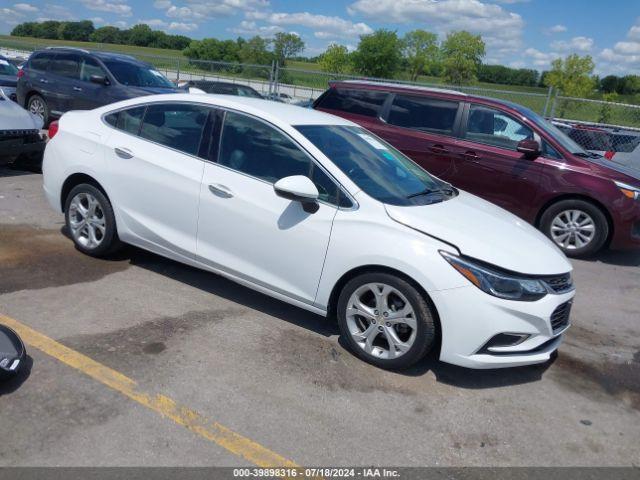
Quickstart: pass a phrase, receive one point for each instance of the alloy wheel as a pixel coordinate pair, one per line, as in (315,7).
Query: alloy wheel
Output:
(573,229)
(87,220)
(36,106)
(381,321)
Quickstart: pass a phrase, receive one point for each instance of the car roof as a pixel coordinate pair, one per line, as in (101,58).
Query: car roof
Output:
(400,86)
(276,112)
(97,53)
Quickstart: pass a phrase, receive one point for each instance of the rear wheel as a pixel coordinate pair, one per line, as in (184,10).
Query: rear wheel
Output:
(90,220)
(38,106)
(385,320)
(578,227)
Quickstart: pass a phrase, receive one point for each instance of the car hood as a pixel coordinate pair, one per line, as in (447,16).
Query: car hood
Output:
(485,232)
(14,117)
(625,163)
(140,91)
(8,81)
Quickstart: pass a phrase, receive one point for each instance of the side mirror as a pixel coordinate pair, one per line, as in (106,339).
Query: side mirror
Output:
(299,189)
(529,148)
(99,79)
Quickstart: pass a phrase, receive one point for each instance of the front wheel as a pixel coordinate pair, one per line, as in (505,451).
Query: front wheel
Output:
(90,221)
(578,227)
(385,320)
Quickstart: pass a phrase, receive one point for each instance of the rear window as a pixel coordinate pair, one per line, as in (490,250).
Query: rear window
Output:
(424,114)
(40,61)
(359,102)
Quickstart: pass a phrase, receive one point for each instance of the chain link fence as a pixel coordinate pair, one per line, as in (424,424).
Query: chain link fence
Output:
(594,124)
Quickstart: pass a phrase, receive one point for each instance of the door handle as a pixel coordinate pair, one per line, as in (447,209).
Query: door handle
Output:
(77,89)
(438,149)
(471,155)
(220,190)
(44,80)
(123,152)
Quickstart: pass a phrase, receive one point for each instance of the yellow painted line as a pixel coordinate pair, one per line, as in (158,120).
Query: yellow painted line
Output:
(165,406)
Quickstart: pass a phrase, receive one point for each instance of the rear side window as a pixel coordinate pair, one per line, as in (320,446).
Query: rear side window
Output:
(360,102)
(493,127)
(40,61)
(178,126)
(424,114)
(126,120)
(66,65)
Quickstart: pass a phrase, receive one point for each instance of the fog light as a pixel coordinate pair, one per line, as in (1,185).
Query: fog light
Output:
(502,340)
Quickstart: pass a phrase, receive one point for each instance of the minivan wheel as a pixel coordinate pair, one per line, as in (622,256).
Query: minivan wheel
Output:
(90,221)
(385,320)
(578,227)
(38,106)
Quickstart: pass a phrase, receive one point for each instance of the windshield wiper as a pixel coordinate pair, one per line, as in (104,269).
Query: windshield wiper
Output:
(447,190)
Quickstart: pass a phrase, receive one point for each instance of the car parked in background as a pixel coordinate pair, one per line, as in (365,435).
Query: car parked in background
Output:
(280,97)
(316,211)
(21,142)
(599,139)
(506,154)
(221,88)
(8,77)
(56,80)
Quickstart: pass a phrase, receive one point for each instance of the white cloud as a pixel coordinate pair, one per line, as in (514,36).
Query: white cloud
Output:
(250,28)
(97,20)
(624,57)
(558,28)
(208,9)
(323,26)
(118,7)
(540,59)
(155,23)
(576,44)
(162,4)
(25,7)
(500,29)
(55,12)
(172,26)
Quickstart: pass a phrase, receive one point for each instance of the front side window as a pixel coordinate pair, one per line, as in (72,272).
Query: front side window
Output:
(493,127)
(376,167)
(88,68)
(178,126)
(137,75)
(257,149)
(360,102)
(66,65)
(424,114)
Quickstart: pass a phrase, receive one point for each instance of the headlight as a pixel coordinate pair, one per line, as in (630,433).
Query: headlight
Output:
(498,284)
(628,190)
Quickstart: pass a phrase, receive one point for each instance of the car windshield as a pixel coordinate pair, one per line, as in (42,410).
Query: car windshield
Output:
(376,167)
(7,68)
(136,75)
(553,131)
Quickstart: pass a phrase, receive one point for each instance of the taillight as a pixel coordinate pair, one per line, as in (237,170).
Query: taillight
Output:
(53,129)
(609,154)
(20,73)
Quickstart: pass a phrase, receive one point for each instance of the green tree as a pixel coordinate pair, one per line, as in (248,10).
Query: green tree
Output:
(463,53)
(629,85)
(107,34)
(255,51)
(26,29)
(609,84)
(335,59)
(77,31)
(379,54)
(48,29)
(572,76)
(606,108)
(286,45)
(420,50)
(140,34)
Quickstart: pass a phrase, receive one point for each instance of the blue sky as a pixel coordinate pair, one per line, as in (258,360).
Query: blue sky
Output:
(519,33)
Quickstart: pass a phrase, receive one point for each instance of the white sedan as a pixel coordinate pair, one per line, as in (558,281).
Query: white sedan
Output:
(317,212)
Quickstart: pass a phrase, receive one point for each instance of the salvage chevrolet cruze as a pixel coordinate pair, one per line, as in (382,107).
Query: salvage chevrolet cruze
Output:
(318,212)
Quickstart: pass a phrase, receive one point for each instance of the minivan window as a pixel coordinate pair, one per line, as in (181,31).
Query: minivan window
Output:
(360,102)
(66,65)
(178,126)
(424,114)
(376,167)
(40,61)
(257,149)
(137,75)
(129,120)
(493,127)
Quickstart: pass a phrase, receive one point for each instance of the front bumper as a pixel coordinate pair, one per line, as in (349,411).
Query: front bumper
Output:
(15,143)
(470,318)
(626,225)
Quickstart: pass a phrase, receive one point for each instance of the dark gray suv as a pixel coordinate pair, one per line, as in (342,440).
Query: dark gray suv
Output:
(57,80)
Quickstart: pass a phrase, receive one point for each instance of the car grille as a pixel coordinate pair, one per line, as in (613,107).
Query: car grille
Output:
(560,283)
(560,317)
(17,133)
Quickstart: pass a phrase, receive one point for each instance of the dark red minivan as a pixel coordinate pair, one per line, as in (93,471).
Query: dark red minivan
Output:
(504,153)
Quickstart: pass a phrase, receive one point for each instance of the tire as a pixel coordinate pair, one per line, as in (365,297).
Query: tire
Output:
(38,106)
(97,237)
(374,347)
(585,224)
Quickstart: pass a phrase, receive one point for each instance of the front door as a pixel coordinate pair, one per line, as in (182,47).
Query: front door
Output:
(487,163)
(247,230)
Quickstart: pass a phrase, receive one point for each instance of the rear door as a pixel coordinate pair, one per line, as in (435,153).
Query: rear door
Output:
(487,163)
(64,72)
(156,169)
(423,128)
(36,75)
